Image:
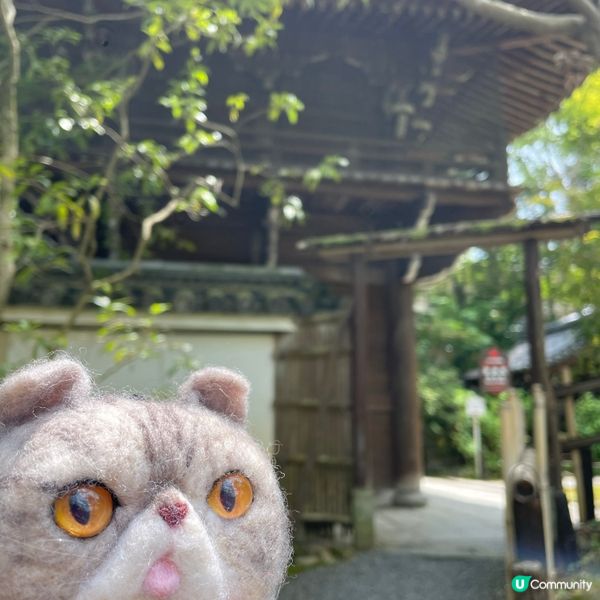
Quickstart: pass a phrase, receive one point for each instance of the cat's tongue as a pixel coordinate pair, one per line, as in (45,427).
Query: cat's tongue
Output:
(162,580)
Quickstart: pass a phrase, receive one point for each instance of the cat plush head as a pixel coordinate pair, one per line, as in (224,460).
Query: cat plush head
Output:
(111,497)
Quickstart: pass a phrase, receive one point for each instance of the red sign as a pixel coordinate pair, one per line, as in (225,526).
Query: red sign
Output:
(495,374)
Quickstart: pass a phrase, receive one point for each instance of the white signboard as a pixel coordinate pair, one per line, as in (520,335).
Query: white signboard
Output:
(475,406)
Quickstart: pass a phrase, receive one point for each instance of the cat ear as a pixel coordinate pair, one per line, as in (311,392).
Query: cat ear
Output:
(41,385)
(219,389)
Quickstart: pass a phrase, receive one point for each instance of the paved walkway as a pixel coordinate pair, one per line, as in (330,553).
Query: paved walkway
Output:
(451,549)
(462,517)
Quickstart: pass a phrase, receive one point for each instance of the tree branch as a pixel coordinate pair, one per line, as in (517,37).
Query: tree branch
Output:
(87,246)
(79,18)
(148,225)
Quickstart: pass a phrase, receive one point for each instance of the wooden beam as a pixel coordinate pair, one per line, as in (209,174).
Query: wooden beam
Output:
(580,442)
(520,72)
(341,274)
(446,239)
(433,247)
(539,367)
(575,389)
(522,41)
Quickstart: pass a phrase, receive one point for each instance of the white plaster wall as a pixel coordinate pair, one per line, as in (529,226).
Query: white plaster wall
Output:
(250,352)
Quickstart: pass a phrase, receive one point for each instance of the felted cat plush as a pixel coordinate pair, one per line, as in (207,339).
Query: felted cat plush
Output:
(111,497)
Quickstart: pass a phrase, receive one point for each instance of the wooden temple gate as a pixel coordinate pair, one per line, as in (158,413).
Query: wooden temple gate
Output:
(421,98)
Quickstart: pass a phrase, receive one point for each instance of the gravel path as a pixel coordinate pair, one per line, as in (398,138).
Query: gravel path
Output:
(388,574)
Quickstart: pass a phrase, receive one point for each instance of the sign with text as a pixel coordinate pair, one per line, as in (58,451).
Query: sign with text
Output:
(495,374)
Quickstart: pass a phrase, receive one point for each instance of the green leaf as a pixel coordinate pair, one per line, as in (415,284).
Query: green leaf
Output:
(159,308)
(200,74)
(284,102)
(7,172)
(157,60)
(236,104)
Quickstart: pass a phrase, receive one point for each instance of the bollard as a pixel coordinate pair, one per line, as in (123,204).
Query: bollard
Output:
(363,514)
(525,504)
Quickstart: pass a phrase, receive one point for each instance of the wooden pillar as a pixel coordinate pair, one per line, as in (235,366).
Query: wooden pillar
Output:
(363,499)
(360,327)
(566,377)
(407,427)
(588,486)
(539,368)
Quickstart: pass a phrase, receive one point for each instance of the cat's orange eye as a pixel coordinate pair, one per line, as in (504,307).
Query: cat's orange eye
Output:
(84,511)
(231,496)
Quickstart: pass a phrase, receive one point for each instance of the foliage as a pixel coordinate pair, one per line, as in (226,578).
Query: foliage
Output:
(448,429)
(80,169)
(483,302)
(587,415)
(329,168)
(481,305)
(557,166)
(284,103)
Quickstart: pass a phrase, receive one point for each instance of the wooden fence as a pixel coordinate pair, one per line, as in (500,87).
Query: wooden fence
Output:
(313,425)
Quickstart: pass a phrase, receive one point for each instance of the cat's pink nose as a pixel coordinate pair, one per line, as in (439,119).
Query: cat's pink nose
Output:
(173,513)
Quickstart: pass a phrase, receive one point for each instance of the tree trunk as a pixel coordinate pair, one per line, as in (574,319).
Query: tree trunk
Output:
(9,150)
(273,224)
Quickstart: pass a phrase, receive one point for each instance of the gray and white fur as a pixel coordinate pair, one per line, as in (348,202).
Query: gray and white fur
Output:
(56,430)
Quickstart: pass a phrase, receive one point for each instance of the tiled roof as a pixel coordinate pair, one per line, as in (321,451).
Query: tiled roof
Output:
(562,342)
(192,288)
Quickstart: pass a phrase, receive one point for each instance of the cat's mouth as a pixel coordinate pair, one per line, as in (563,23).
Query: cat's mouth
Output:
(162,579)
